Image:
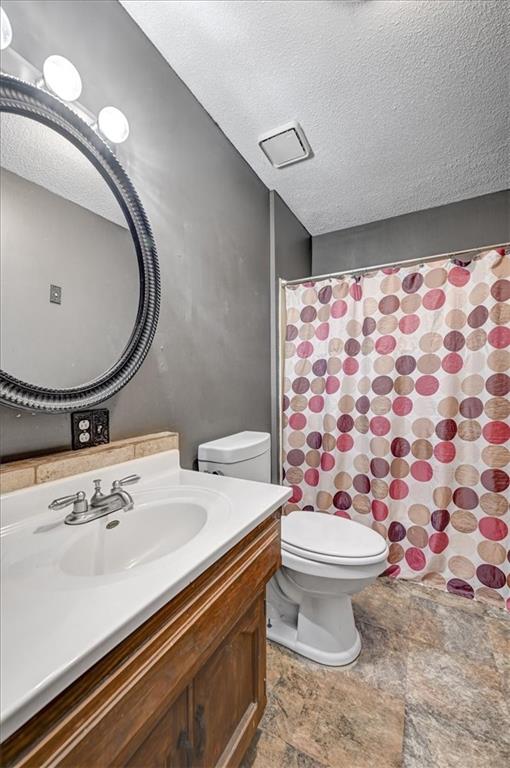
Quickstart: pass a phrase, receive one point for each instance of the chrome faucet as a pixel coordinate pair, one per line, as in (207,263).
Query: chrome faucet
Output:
(117,499)
(100,504)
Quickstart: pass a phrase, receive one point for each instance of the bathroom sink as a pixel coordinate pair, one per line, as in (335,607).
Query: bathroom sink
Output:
(162,522)
(125,540)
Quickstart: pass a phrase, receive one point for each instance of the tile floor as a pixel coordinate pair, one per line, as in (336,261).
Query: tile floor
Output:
(431,689)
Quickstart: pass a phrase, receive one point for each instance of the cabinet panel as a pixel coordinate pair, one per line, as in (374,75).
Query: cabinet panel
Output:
(168,745)
(228,692)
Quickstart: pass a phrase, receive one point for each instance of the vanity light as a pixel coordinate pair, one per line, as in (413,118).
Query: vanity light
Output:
(5,30)
(113,124)
(62,77)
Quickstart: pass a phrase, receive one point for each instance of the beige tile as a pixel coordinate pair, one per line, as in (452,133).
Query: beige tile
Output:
(499,637)
(382,661)
(274,664)
(150,436)
(265,751)
(496,612)
(268,751)
(384,603)
(293,758)
(458,690)
(354,725)
(42,469)
(82,461)
(439,596)
(432,741)
(427,691)
(297,685)
(447,628)
(16,475)
(156,444)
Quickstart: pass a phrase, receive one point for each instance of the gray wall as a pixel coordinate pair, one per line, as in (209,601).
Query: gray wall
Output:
(291,257)
(44,240)
(208,371)
(479,221)
(292,242)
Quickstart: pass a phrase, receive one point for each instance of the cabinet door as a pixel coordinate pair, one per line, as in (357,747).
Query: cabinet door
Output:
(168,745)
(229,693)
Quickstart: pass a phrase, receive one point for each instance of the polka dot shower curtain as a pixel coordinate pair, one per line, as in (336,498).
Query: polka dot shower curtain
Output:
(395,414)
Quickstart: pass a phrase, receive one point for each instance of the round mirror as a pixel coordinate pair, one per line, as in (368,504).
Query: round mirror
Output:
(69,270)
(79,273)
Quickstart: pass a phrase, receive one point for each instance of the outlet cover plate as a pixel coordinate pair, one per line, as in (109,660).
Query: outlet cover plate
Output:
(90,428)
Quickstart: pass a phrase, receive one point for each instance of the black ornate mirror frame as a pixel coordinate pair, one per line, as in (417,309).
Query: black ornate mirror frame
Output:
(24,99)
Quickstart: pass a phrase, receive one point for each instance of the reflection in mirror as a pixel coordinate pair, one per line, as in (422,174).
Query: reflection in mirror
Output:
(69,270)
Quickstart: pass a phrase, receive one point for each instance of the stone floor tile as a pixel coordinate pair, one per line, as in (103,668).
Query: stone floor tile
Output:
(356,726)
(381,663)
(264,751)
(276,664)
(499,637)
(427,691)
(383,659)
(456,690)
(268,751)
(455,602)
(385,604)
(300,683)
(432,741)
(293,758)
(449,629)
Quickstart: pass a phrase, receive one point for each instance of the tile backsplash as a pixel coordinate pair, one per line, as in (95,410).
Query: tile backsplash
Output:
(41,469)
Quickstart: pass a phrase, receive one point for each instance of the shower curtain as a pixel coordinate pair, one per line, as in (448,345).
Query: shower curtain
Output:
(395,414)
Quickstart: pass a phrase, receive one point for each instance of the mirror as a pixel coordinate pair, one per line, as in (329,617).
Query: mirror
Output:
(69,270)
(79,273)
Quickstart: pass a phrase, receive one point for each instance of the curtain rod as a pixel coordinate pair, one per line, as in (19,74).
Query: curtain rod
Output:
(375,268)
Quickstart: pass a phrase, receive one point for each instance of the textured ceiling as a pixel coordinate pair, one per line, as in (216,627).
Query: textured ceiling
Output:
(41,155)
(405,104)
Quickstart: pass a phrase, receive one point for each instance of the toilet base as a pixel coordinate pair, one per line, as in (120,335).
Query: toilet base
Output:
(284,634)
(320,627)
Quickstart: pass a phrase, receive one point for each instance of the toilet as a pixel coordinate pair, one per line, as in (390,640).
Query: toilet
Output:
(325,560)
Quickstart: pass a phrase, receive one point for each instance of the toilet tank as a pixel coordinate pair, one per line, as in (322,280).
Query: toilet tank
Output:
(246,455)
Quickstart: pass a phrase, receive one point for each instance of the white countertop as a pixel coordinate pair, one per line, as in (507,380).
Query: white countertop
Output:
(56,624)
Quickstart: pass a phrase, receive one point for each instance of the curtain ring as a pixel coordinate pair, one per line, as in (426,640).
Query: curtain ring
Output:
(460,262)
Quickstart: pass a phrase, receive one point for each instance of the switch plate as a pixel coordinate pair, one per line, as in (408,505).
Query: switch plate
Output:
(90,428)
(55,294)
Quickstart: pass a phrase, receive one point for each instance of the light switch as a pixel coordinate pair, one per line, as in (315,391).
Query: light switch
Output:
(55,294)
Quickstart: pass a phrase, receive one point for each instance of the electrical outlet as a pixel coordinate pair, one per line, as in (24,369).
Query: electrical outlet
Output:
(90,428)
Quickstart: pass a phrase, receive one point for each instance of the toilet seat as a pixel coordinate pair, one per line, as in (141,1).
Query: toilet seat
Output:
(325,538)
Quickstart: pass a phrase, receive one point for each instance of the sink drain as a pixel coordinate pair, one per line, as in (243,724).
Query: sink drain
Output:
(112,524)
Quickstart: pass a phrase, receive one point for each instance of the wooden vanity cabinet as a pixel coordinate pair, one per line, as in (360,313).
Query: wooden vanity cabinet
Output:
(168,744)
(229,691)
(185,690)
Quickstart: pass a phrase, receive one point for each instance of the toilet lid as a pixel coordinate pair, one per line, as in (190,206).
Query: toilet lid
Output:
(313,534)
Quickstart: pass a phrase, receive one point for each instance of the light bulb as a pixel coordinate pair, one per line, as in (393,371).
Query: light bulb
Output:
(5,30)
(62,78)
(113,124)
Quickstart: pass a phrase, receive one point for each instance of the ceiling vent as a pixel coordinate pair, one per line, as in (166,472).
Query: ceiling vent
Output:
(285,145)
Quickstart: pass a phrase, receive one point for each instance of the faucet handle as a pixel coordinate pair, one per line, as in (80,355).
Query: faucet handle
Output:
(98,494)
(128,480)
(65,501)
